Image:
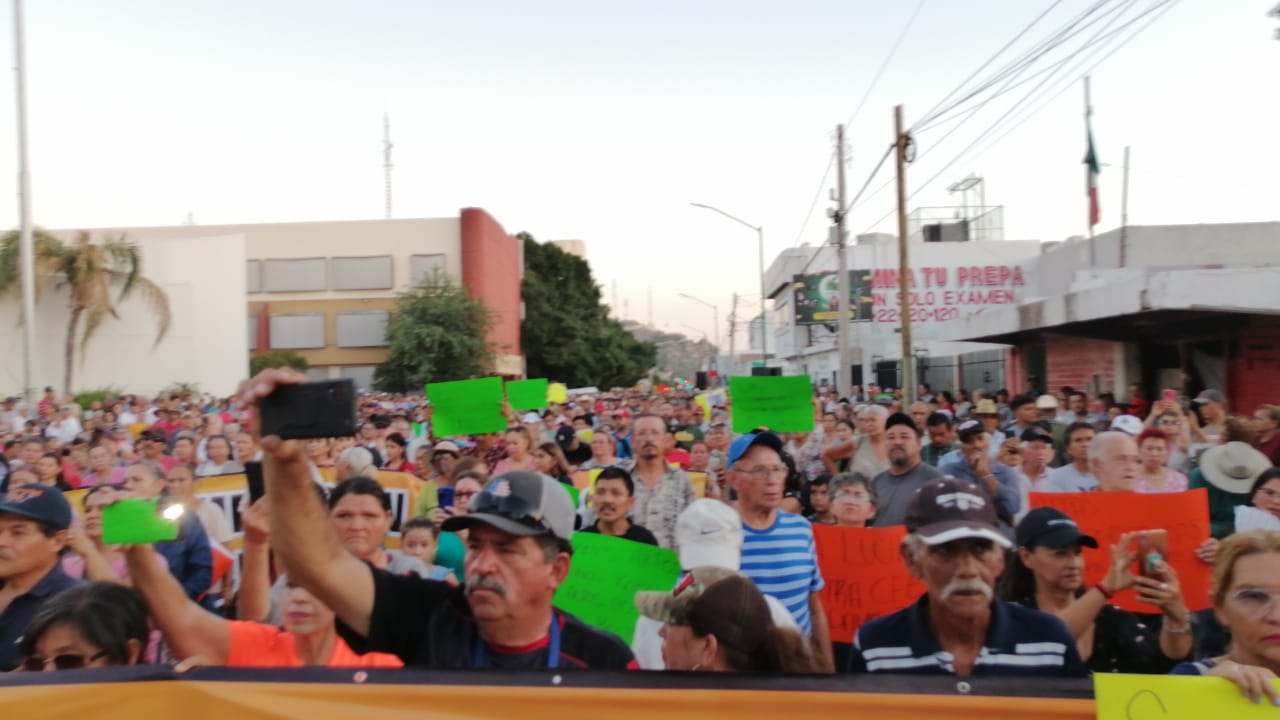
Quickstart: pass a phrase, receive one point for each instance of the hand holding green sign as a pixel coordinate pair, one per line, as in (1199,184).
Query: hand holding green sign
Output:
(782,404)
(467,407)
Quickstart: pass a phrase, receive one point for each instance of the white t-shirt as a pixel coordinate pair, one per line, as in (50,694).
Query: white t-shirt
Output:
(1068,479)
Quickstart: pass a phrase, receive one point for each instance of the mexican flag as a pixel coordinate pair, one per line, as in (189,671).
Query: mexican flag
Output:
(1091,162)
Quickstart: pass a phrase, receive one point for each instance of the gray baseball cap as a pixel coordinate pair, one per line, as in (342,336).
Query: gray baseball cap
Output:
(520,503)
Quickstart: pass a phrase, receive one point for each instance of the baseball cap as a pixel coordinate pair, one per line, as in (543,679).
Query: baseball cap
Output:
(1035,432)
(1208,396)
(1046,402)
(713,601)
(1128,424)
(709,534)
(447,446)
(38,502)
(749,440)
(531,418)
(966,430)
(520,503)
(564,436)
(1051,528)
(951,509)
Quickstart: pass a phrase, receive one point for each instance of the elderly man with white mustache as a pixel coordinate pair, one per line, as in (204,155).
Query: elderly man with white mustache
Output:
(958,627)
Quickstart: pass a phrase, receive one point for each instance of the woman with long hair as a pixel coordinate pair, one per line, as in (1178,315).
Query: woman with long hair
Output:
(520,445)
(551,461)
(396,461)
(1048,574)
(49,470)
(717,620)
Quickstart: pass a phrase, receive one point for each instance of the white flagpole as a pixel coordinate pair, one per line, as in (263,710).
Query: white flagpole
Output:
(26,243)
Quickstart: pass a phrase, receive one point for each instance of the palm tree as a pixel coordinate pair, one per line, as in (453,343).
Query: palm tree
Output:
(89,271)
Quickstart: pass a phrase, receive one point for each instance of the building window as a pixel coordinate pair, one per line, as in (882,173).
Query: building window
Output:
(254,281)
(362,374)
(297,332)
(363,273)
(253,333)
(362,329)
(421,266)
(300,275)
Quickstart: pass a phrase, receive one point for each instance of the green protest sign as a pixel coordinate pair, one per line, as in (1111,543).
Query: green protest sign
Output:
(466,407)
(573,493)
(137,521)
(527,394)
(780,403)
(605,575)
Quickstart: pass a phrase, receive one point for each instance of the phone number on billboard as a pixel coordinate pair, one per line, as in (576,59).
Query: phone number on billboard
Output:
(940,314)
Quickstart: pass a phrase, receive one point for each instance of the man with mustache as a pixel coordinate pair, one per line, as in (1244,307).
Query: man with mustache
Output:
(958,627)
(662,491)
(517,554)
(613,499)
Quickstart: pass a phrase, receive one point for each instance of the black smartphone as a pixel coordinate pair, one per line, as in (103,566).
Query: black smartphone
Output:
(253,474)
(321,409)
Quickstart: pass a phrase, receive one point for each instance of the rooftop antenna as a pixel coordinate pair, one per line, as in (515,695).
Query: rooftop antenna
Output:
(386,159)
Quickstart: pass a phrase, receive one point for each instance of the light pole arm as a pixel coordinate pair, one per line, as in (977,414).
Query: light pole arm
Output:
(734,218)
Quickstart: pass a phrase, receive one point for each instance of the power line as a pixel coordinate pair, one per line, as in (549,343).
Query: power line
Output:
(884,64)
(817,195)
(1162,5)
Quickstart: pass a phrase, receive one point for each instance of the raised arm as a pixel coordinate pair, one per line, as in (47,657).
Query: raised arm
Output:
(255,575)
(1080,615)
(302,534)
(189,629)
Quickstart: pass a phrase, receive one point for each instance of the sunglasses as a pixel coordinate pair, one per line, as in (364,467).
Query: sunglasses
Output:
(511,507)
(68,661)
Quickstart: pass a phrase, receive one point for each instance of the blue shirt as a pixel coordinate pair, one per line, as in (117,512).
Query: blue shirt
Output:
(1020,642)
(14,619)
(1007,501)
(189,557)
(782,561)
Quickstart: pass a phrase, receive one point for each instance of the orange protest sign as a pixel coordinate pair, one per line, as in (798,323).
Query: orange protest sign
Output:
(865,576)
(1108,515)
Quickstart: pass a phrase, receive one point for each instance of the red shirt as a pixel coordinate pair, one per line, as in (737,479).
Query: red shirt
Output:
(1271,449)
(258,645)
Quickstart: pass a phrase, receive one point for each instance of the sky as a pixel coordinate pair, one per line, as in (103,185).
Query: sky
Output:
(603,121)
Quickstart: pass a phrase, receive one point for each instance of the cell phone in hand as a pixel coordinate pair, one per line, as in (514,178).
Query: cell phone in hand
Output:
(301,411)
(138,521)
(1153,547)
(253,475)
(445,495)
(1169,396)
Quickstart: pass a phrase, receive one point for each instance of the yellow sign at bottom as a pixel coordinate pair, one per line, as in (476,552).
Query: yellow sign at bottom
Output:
(1174,697)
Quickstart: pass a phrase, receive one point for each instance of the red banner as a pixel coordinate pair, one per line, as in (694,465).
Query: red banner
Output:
(865,576)
(1108,515)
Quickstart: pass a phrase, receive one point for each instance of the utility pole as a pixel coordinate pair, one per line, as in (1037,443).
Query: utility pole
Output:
(26,237)
(1124,208)
(902,141)
(733,320)
(843,373)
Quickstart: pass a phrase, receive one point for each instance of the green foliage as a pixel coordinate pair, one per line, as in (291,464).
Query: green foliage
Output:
(437,333)
(567,334)
(183,390)
(85,398)
(276,359)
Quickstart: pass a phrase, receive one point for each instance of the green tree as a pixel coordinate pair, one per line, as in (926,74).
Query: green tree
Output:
(567,334)
(91,272)
(437,332)
(276,359)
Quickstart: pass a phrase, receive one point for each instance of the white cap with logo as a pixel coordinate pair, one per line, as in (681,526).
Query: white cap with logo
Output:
(709,534)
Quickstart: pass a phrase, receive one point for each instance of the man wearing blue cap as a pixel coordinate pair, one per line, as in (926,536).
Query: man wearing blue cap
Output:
(33,531)
(778,552)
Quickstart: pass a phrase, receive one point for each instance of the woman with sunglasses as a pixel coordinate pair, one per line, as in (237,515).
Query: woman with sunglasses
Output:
(1245,589)
(95,624)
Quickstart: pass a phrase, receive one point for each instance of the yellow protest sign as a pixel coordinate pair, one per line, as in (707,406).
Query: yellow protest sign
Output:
(557,393)
(701,401)
(1173,697)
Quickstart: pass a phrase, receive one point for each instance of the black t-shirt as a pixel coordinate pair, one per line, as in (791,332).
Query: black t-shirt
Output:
(635,532)
(1124,642)
(428,624)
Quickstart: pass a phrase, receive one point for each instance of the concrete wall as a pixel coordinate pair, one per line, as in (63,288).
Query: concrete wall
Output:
(203,276)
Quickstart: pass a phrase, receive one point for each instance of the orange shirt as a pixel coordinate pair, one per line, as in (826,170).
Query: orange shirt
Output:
(258,645)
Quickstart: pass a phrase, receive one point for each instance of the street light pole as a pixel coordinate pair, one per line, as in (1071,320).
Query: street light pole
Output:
(26,240)
(715,320)
(764,325)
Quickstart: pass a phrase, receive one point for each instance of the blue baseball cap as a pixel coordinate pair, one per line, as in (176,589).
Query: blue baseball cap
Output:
(749,440)
(38,502)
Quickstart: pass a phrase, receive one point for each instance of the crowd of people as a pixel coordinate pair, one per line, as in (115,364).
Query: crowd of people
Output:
(473,581)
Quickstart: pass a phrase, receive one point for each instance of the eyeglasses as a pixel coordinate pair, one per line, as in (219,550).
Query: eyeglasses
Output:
(1255,602)
(465,495)
(763,473)
(511,507)
(853,497)
(66,661)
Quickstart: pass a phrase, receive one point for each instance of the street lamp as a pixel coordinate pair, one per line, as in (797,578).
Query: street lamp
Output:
(715,317)
(764,323)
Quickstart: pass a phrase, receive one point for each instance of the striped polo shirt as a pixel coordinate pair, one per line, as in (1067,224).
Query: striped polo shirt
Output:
(783,562)
(1020,642)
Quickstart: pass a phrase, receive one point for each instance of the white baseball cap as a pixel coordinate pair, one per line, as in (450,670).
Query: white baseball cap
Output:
(709,534)
(1129,424)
